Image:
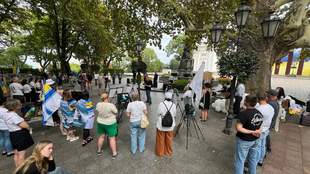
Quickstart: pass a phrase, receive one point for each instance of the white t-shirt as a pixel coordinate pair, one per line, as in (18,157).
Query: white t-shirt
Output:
(161,113)
(240,91)
(106,113)
(13,120)
(16,89)
(136,109)
(32,84)
(267,112)
(26,89)
(3,125)
(96,76)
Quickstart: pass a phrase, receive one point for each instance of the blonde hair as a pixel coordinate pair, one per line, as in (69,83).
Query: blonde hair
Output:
(104,96)
(37,158)
(135,97)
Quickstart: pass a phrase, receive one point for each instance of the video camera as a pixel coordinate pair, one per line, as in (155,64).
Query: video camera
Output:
(189,107)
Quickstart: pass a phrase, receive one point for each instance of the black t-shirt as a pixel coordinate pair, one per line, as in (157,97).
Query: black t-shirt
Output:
(148,84)
(251,119)
(34,170)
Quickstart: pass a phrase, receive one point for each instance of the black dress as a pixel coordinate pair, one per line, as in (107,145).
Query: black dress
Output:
(205,101)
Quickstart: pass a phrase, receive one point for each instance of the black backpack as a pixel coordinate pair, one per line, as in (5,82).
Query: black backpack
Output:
(167,119)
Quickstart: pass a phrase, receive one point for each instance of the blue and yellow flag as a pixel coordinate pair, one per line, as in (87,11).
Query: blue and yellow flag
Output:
(51,103)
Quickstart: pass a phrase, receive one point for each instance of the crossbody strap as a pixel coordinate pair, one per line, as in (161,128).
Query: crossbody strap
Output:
(166,106)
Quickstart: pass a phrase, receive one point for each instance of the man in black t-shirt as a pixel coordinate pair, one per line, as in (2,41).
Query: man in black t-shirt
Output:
(148,87)
(247,137)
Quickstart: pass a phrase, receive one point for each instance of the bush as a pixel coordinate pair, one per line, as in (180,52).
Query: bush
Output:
(180,84)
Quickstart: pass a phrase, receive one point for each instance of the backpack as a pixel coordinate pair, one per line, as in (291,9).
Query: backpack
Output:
(167,119)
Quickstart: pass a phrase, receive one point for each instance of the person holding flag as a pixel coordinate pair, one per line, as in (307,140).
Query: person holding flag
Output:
(85,108)
(67,108)
(50,104)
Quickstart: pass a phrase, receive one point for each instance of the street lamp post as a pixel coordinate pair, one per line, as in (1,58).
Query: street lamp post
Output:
(269,28)
(139,49)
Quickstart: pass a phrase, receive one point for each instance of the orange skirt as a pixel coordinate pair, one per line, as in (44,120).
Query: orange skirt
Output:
(163,143)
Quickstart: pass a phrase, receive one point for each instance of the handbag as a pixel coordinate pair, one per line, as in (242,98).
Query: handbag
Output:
(202,102)
(144,121)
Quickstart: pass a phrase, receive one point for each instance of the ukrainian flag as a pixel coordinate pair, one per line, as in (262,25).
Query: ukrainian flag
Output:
(51,103)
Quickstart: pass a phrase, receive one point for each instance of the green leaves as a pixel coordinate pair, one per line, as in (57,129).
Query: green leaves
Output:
(149,57)
(242,63)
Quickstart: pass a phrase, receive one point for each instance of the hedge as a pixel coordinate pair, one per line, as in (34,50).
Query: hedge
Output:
(180,84)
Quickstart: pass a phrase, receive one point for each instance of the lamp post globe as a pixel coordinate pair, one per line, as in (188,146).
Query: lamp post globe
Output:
(216,32)
(139,47)
(241,15)
(270,26)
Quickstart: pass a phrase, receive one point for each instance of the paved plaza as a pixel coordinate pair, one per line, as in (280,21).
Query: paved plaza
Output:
(290,150)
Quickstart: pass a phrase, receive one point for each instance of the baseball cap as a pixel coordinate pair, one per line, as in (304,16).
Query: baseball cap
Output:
(272,92)
(168,95)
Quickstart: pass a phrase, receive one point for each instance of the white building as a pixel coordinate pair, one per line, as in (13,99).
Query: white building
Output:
(205,54)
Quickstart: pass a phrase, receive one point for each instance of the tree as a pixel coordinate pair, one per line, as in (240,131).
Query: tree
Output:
(176,46)
(294,32)
(174,64)
(150,58)
(75,67)
(194,19)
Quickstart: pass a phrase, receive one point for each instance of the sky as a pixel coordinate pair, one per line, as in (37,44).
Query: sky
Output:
(161,54)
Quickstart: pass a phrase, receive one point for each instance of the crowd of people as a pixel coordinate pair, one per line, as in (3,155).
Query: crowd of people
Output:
(16,134)
(259,115)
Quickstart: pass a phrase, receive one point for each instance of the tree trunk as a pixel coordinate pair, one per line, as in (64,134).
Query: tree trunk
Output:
(262,79)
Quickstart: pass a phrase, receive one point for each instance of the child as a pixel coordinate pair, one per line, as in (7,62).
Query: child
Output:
(5,141)
(67,108)
(19,131)
(86,110)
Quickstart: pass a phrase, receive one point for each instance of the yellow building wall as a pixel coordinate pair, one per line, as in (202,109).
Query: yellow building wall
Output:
(305,72)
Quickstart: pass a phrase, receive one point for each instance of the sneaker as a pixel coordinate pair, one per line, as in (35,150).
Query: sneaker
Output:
(99,153)
(74,139)
(4,153)
(114,156)
(260,164)
(68,138)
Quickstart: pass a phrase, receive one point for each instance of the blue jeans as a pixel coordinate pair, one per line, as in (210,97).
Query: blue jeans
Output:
(246,150)
(137,134)
(148,96)
(262,146)
(5,141)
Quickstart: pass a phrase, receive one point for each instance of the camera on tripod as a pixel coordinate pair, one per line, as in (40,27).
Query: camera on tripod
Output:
(189,107)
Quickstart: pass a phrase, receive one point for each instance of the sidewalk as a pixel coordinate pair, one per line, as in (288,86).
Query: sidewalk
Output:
(290,151)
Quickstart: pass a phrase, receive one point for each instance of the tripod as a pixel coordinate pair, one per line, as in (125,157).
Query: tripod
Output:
(188,117)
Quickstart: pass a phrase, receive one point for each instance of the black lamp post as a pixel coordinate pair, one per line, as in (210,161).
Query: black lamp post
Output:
(242,14)
(216,32)
(139,49)
(270,26)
